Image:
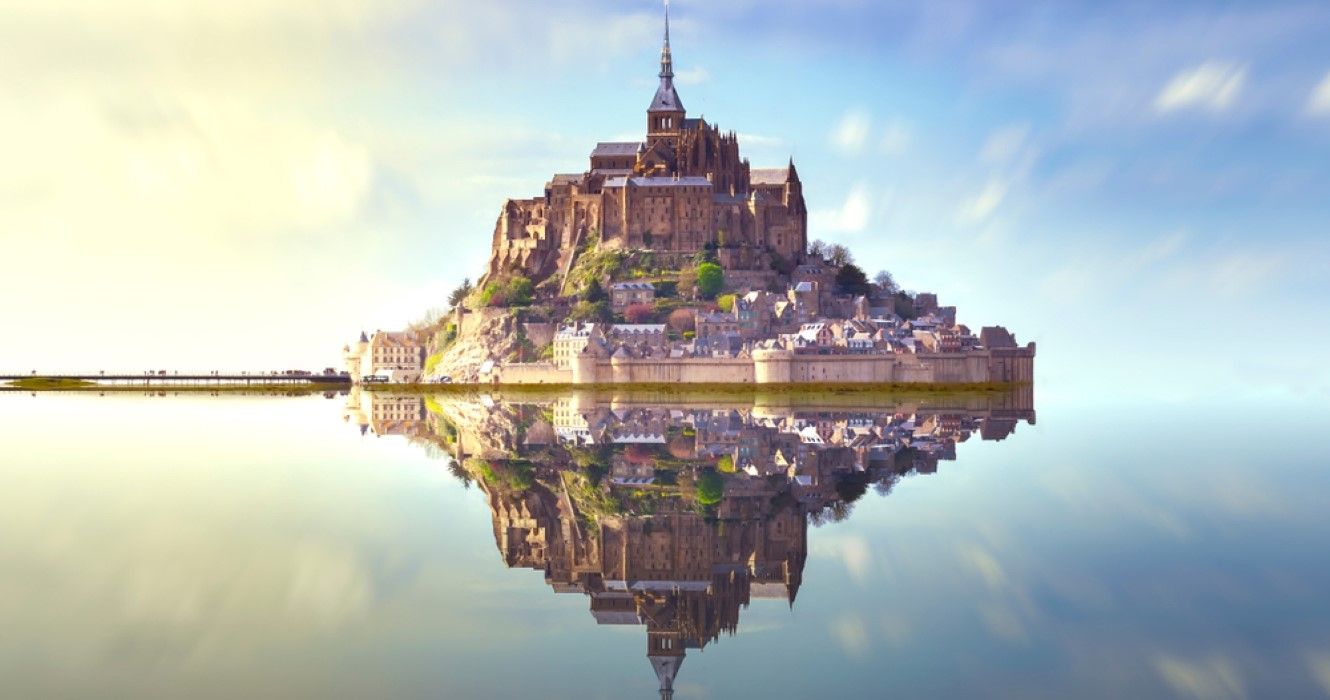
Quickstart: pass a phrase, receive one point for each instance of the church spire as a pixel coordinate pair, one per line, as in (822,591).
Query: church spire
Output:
(666,113)
(666,60)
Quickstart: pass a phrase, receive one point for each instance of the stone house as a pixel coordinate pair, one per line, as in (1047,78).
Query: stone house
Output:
(570,341)
(754,314)
(807,301)
(653,335)
(818,334)
(709,324)
(625,294)
(398,355)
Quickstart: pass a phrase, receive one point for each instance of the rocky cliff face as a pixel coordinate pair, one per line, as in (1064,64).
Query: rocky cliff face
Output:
(488,334)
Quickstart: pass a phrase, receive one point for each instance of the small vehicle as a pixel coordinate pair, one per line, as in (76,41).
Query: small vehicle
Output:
(444,380)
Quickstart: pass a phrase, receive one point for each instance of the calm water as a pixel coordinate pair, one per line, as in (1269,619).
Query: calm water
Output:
(311,547)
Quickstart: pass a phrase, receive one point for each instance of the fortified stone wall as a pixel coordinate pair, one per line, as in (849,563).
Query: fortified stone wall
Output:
(534,373)
(783,367)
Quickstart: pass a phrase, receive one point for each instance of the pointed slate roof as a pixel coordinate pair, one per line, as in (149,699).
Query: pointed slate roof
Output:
(666,668)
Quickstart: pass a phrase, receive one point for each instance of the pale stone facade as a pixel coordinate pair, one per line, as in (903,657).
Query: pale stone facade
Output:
(397,356)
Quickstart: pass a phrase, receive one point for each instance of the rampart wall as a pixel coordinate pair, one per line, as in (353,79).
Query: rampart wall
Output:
(1005,366)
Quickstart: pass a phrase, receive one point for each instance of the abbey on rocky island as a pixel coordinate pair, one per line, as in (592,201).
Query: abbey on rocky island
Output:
(685,186)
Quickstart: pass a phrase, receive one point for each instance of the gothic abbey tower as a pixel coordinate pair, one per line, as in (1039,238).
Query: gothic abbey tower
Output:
(685,186)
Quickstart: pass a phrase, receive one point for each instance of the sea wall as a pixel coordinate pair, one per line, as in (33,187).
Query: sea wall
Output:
(663,371)
(1005,366)
(532,373)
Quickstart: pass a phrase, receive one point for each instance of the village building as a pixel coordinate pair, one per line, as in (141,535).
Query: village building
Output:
(716,323)
(625,294)
(571,341)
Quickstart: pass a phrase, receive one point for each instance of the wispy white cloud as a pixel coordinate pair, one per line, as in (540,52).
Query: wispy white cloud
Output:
(852,217)
(1161,248)
(1212,86)
(1214,678)
(981,206)
(851,634)
(851,133)
(1005,144)
(1318,664)
(1318,102)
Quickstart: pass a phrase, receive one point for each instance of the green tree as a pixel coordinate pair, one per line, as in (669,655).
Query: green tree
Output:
(492,295)
(710,488)
(460,294)
(592,311)
(594,293)
(710,280)
(725,302)
(852,280)
(519,291)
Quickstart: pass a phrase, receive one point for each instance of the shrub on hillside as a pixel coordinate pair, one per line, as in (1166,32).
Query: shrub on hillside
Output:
(592,312)
(710,488)
(682,320)
(639,313)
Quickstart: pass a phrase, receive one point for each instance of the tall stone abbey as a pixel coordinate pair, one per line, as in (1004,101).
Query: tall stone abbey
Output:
(685,186)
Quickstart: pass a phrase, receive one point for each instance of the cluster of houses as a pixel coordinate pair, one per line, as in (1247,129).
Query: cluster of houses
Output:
(804,448)
(805,319)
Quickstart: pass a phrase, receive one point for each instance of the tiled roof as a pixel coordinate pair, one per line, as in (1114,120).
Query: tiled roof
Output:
(769,176)
(622,328)
(616,148)
(402,339)
(670,182)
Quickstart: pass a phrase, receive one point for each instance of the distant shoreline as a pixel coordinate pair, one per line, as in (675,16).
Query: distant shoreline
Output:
(257,383)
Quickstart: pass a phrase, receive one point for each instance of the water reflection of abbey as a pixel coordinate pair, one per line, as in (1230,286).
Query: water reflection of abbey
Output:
(674,516)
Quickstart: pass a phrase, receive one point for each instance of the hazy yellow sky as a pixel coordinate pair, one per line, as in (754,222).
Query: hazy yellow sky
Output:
(182,178)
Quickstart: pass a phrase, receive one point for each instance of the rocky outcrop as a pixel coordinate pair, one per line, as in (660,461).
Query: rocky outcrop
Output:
(482,336)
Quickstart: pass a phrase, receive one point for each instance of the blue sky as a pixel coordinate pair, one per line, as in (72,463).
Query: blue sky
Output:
(1139,187)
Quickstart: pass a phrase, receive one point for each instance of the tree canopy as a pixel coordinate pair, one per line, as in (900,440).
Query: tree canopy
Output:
(839,255)
(834,253)
(593,292)
(852,280)
(458,295)
(885,282)
(639,313)
(710,488)
(710,280)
